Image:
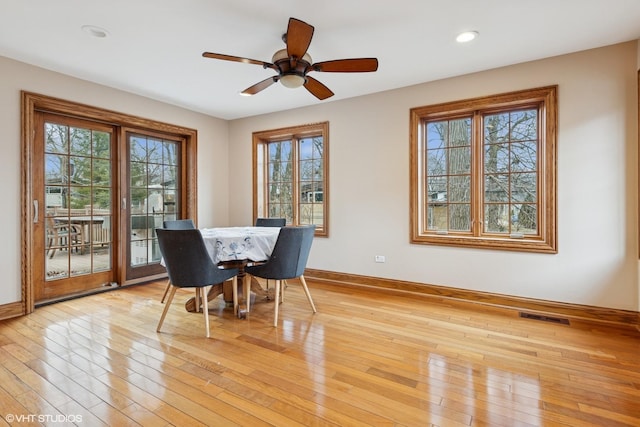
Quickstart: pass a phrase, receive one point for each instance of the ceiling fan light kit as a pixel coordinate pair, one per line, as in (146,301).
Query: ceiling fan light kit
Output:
(294,63)
(292,81)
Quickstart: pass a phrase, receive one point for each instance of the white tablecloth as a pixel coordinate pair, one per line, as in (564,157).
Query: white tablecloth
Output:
(234,243)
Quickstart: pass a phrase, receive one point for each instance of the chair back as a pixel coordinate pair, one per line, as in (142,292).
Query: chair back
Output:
(290,254)
(179,224)
(271,222)
(187,261)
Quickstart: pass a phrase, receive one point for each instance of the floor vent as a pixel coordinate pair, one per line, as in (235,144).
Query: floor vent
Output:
(543,318)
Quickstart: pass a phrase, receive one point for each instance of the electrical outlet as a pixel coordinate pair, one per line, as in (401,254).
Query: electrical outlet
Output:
(380,258)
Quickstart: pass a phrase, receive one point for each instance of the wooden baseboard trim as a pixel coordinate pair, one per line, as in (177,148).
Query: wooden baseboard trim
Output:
(10,310)
(549,308)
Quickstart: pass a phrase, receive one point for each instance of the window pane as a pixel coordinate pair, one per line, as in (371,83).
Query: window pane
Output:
(523,219)
(138,148)
(80,141)
(436,162)
(101,144)
(170,155)
(154,150)
(56,138)
(460,160)
(155,175)
(460,132)
(524,125)
(496,158)
(496,188)
(523,187)
(496,128)
(170,174)
(280,151)
(437,215)
(55,168)
(437,134)
(496,218)
(460,217)
(318,169)
(310,148)
(101,198)
(524,156)
(138,174)
(437,188)
(101,172)
(459,188)
(280,171)
(275,192)
(80,197)
(307,170)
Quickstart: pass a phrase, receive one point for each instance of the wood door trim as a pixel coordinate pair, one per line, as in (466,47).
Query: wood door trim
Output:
(32,102)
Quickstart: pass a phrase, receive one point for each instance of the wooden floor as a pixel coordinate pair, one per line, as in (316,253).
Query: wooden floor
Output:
(365,358)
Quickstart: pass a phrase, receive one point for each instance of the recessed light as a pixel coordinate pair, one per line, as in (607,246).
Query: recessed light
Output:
(94,31)
(467,36)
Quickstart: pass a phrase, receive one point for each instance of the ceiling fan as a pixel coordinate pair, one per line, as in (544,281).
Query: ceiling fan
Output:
(293,63)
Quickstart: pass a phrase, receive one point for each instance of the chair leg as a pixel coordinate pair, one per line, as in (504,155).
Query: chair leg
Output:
(205,309)
(276,303)
(166,290)
(306,291)
(166,307)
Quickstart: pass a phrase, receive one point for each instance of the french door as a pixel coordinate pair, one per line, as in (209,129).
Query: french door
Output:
(154,177)
(73,206)
(96,183)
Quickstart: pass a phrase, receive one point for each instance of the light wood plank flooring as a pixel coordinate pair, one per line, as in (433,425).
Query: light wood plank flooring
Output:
(365,359)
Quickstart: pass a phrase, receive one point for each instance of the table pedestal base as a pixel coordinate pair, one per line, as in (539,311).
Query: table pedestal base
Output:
(226,290)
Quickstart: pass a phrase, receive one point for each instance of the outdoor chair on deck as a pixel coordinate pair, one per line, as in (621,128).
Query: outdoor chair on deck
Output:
(61,235)
(176,224)
(189,266)
(287,261)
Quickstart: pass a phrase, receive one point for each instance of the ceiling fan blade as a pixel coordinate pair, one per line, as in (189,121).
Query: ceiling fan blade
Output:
(299,35)
(237,59)
(260,86)
(355,65)
(317,89)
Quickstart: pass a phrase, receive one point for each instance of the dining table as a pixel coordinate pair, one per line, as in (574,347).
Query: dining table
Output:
(236,247)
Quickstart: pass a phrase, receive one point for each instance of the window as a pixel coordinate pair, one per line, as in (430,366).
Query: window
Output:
(483,172)
(291,175)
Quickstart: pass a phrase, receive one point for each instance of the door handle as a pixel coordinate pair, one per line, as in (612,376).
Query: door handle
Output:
(35,212)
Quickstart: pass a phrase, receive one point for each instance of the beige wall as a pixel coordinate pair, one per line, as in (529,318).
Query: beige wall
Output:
(597,177)
(16,76)
(597,184)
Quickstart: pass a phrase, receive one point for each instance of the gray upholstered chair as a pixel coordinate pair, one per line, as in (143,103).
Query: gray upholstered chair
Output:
(189,266)
(271,222)
(179,224)
(287,261)
(176,224)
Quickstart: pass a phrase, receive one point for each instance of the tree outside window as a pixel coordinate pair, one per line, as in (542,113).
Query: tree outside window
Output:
(291,175)
(483,172)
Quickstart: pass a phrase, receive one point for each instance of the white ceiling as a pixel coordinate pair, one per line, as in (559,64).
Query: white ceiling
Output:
(154,47)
